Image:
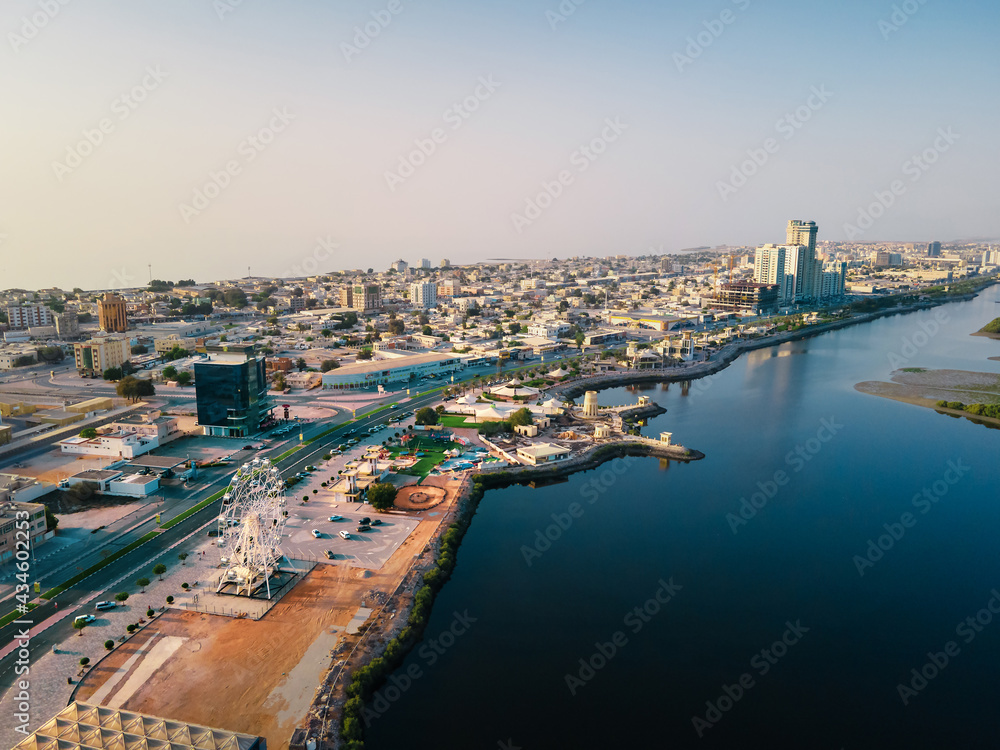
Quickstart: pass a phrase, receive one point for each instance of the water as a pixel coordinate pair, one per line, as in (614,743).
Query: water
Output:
(854,638)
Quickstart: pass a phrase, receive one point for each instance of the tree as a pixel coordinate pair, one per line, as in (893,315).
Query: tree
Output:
(109,645)
(365,354)
(84,661)
(235,298)
(142,583)
(396,326)
(184,378)
(89,433)
(79,625)
(133,388)
(51,354)
(329,364)
(301,364)
(159,569)
(426,416)
(381,495)
(121,596)
(50,520)
(139,349)
(279,381)
(182,557)
(113,373)
(522,416)
(170,600)
(579,338)
(169,372)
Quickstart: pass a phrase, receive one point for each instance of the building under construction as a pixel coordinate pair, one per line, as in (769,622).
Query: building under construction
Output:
(746,296)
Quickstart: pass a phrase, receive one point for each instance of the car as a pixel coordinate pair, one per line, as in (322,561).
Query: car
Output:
(102,606)
(249,447)
(365,520)
(364,527)
(345,535)
(329,554)
(85,619)
(316,534)
(377,522)
(335,518)
(310,468)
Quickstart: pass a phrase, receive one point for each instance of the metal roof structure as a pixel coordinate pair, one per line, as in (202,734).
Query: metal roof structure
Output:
(81,726)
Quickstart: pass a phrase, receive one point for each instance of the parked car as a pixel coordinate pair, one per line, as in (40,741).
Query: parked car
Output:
(329,554)
(102,606)
(365,520)
(377,522)
(345,535)
(364,527)
(335,518)
(85,619)
(316,534)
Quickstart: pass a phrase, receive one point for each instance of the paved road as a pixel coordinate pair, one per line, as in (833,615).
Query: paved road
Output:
(98,585)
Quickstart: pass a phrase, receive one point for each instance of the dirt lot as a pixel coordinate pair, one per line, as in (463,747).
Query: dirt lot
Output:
(256,677)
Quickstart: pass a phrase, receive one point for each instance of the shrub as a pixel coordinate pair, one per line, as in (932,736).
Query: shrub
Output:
(184,586)
(109,645)
(84,661)
(130,628)
(170,600)
(150,612)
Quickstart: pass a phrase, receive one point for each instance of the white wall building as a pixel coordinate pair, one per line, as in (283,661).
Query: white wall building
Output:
(423,294)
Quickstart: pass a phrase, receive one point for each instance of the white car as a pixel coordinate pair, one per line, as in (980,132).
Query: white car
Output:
(85,619)
(316,533)
(335,518)
(345,535)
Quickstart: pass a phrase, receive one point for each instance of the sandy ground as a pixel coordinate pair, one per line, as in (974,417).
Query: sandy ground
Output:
(419,497)
(928,387)
(251,676)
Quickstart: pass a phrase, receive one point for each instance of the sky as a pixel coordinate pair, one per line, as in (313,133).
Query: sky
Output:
(200,139)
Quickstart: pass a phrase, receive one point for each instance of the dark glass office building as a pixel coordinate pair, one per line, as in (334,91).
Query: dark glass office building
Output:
(231,389)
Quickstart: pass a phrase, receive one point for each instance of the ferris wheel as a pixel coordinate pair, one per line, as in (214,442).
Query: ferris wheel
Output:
(250,527)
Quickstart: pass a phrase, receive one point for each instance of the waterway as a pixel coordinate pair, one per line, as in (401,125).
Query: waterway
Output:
(787,585)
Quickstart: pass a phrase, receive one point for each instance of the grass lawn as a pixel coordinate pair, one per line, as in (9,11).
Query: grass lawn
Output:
(456,420)
(434,451)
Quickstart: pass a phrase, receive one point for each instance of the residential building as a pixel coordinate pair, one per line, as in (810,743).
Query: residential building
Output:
(400,266)
(362,297)
(149,425)
(68,325)
(26,518)
(99,354)
(113,444)
(231,391)
(297,304)
(934,249)
(447,288)
(445,263)
(112,314)
(549,330)
(425,264)
(644,320)
(28,316)
(746,296)
(18,357)
(423,294)
(833,279)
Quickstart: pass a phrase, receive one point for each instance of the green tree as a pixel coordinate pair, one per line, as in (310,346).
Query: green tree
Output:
(426,416)
(381,495)
(109,645)
(159,569)
(182,557)
(300,363)
(133,388)
(113,373)
(139,349)
(142,583)
(169,372)
(84,661)
(235,298)
(365,354)
(121,596)
(329,364)
(427,331)
(79,625)
(184,378)
(51,522)
(88,433)
(522,416)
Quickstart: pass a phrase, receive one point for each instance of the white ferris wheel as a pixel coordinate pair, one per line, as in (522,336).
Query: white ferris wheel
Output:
(250,526)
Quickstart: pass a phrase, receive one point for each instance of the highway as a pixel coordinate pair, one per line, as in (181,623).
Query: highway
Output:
(127,567)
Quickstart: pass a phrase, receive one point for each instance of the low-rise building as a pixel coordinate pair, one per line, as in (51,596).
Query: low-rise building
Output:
(399,369)
(543,453)
(117,444)
(19,523)
(99,354)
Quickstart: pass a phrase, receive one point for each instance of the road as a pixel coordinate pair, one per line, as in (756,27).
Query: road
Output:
(108,578)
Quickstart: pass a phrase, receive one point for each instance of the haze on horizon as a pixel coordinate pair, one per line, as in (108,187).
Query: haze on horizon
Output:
(678,98)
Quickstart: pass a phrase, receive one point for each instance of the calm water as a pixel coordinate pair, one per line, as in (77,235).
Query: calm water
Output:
(788,572)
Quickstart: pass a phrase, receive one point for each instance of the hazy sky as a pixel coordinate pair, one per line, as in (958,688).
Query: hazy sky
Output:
(672,102)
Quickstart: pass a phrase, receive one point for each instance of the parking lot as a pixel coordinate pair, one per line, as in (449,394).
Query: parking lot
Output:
(368,549)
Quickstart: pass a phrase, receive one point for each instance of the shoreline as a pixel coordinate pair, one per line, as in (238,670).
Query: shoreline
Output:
(464,509)
(926,403)
(731,352)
